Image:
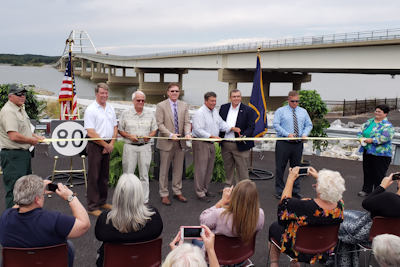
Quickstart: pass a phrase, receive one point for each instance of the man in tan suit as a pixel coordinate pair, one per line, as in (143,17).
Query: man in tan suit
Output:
(172,116)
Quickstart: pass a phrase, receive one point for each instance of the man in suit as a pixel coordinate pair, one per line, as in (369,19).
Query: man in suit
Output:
(236,154)
(172,116)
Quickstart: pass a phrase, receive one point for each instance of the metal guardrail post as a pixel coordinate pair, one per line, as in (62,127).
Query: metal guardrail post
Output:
(355,109)
(344,107)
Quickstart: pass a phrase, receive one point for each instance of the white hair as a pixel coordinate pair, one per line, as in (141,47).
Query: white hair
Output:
(386,249)
(185,255)
(330,185)
(129,212)
(27,188)
(136,93)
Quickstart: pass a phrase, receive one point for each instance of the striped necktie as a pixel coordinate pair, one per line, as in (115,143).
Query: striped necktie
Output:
(295,125)
(176,119)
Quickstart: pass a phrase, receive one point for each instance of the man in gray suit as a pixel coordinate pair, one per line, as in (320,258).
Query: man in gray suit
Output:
(172,116)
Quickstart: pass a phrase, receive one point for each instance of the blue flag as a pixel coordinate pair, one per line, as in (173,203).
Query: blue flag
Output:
(257,102)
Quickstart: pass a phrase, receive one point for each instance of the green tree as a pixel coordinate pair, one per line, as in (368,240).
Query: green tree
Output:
(33,106)
(317,109)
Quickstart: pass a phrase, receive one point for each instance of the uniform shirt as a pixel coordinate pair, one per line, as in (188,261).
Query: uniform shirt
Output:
(208,122)
(102,120)
(14,119)
(137,124)
(283,121)
(231,119)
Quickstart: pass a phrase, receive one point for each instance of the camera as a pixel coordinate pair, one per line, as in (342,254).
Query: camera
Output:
(52,187)
(303,171)
(191,232)
(396,176)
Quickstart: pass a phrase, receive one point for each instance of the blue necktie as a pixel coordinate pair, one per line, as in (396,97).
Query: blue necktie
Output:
(295,125)
(176,119)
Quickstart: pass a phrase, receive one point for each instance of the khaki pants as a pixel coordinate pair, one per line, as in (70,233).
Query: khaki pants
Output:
(203,159)
(138,156)
(234,160)
(176,155)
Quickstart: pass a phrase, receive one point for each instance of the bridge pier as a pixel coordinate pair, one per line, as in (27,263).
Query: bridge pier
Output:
(98,73)
(156,91)
(232,77)
(113,79)
(84,72)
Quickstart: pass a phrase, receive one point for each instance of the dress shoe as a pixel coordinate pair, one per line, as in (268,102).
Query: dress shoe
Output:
(204,199)
(95,212)
(106,206)
(165,201)
(210,194)
(362,194)
(278,196)
(297,195)
(180,198)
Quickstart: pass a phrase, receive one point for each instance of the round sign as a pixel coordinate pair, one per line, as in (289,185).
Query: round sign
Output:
(69,130)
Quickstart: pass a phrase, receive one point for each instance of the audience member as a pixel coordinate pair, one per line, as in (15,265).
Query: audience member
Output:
(28,225)
(386,249)
(188,255)
(130,220)
(326,208)
(356,225)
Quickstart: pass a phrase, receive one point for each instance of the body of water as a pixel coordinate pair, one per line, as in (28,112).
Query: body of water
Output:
(196,83)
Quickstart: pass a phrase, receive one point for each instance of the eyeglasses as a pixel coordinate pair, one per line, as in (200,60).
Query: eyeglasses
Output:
(295,101)
(139,100)
(174,91)
(20,94)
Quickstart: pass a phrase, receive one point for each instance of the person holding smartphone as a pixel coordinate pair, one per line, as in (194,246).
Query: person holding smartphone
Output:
(356,224)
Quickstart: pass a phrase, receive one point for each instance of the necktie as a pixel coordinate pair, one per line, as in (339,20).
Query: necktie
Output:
(176,119)
(295,125)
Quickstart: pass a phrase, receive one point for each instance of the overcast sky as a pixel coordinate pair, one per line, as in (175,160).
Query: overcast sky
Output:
(148,26)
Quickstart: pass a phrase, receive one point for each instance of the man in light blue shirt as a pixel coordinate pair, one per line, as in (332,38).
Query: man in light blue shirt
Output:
(290,121)
(207,123)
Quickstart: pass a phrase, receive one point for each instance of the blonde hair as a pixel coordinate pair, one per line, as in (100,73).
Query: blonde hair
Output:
(330,185)
(185,255)
(244,207)
(129,212)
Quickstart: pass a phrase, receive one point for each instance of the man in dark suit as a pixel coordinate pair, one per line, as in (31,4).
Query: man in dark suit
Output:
(236,154)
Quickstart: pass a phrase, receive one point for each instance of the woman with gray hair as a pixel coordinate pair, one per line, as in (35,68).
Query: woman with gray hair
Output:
(130,220)
(326,208)
(386,249)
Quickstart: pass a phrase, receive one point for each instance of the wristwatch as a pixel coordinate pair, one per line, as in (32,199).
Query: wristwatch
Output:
(70,198)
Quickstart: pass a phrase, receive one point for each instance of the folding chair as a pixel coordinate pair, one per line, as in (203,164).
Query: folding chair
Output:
(144,254)
(381,225)
(313,239)
(41,256)
(232,250)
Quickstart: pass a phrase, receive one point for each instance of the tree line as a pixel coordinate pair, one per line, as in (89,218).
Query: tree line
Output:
(27,59)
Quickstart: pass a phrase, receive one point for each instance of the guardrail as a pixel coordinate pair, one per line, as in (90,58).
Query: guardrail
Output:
(360,106)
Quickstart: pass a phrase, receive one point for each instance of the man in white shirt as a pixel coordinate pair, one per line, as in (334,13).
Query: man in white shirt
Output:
(236,154)
(100,122)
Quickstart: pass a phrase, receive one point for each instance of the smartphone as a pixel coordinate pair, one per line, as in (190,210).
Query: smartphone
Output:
(52,187)
(396,176)
(191,232)
(303,171)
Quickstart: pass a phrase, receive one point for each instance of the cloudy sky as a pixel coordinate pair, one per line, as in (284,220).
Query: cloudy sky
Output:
(148,26)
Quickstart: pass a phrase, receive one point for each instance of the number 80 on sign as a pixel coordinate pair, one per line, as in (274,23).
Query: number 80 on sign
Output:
(69,130)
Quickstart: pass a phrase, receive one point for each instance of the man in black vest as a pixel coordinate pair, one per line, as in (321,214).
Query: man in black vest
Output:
(236,153)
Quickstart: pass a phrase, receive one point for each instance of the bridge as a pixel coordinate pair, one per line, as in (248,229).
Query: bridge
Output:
(288,60)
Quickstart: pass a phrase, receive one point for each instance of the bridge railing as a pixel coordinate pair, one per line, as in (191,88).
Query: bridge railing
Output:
(360,106)
(387,34)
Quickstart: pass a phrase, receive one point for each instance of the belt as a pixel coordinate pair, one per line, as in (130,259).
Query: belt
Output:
(138,144)
(293,141)
(17,149)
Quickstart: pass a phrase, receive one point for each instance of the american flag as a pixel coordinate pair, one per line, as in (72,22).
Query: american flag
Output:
(67,96)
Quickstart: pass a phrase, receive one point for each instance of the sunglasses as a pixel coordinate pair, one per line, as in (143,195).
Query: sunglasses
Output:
(20,94)
(174,91)
(294,101)
(139,100)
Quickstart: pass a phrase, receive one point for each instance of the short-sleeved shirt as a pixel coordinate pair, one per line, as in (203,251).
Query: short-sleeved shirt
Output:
(102,120)
(35,228)
(14,119)
(138,124)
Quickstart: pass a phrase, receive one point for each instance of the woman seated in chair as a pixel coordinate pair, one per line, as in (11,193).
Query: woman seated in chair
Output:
(356,225)
(237,214)
(326,208)
(130,220)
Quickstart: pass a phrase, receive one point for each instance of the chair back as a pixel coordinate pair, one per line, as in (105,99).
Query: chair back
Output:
(384,225)
(41,256)
(316,239)
(146,254)
(232,250)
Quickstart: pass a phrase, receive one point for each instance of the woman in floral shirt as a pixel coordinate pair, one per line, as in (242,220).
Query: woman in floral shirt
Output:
(377,153)
(326,208)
